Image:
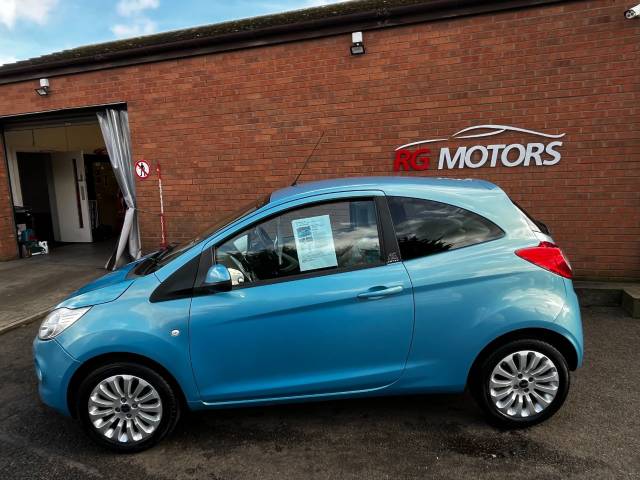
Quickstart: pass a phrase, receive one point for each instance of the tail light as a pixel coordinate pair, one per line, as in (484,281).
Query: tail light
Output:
(547,255)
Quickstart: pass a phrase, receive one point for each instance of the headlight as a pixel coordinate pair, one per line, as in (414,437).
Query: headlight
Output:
(59,320)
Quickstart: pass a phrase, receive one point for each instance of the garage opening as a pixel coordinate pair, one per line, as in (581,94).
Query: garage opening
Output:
(67,198)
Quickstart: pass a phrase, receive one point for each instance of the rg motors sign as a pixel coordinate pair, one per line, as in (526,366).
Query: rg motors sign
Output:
(417,156)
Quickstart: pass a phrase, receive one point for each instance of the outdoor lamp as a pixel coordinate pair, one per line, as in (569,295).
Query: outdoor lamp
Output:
(43,90)
(357,45)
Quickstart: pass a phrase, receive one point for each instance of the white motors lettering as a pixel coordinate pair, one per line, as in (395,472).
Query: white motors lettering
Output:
(512,155)
(417,155)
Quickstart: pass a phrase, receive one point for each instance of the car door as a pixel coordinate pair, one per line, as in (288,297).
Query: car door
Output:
(316,307)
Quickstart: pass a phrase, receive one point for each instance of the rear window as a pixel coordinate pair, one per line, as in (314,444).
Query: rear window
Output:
(425,227)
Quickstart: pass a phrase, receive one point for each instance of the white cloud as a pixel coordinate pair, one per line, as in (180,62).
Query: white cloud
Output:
(4,59)
(137,23)
(128,8)
(11,11)
(142,26)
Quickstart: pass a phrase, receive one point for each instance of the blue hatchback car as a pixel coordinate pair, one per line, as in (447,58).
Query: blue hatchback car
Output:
(325,290)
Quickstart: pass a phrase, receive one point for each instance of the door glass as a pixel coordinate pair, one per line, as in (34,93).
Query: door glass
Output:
(319,238)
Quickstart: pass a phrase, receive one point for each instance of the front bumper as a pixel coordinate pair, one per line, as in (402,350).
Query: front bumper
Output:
(54,368)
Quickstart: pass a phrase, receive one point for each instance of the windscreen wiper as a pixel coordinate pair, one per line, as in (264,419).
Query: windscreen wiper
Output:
(154,258)
(160,254)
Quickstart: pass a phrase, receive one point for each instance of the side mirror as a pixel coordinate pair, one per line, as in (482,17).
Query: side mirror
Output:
(217,279)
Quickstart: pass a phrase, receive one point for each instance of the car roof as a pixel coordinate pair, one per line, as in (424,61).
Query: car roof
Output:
(392,185)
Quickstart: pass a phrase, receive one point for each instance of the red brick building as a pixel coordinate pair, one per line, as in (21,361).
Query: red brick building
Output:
(232,110)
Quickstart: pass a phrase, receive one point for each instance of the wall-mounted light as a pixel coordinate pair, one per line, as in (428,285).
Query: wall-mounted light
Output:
(43,90)
(357,45)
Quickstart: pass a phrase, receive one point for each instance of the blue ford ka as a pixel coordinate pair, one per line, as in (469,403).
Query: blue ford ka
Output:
(325,290)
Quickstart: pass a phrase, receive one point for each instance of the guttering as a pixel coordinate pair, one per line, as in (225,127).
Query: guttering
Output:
(250,38)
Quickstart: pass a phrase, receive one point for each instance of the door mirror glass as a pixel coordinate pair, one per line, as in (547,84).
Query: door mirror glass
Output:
(218,279)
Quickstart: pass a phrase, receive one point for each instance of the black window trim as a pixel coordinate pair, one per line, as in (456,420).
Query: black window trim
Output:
(180,284)
(390,240)
(502,232)
(206,259)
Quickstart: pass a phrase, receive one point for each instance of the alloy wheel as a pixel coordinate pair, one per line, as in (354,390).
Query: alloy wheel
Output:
(523,384)
(125,408)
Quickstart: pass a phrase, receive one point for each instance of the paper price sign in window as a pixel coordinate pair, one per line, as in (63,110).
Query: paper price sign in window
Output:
(314,243)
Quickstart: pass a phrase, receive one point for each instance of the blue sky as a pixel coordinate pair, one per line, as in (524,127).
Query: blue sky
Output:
(30,28)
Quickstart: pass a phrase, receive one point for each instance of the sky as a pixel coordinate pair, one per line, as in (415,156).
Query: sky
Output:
(30,28)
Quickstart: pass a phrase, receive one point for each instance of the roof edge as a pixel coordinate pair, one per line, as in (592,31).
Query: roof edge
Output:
(379,18)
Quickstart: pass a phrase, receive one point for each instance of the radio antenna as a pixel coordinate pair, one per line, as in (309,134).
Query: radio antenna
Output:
(295,182)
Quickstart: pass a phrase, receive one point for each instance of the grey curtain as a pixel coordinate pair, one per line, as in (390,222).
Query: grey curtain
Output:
(114,124)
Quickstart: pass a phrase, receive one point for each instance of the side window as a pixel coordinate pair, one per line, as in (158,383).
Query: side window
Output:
(324,237)
(424,227)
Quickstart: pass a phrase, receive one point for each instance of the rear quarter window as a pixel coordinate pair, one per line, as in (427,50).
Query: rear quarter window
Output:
(425,227)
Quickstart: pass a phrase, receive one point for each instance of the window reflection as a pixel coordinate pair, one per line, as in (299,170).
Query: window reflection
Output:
(268,250)
(424,227)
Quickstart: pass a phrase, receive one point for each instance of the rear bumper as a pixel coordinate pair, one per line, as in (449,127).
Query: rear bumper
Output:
(54,368)
(571,321)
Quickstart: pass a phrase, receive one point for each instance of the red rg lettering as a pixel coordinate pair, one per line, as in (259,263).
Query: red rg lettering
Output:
(407,160)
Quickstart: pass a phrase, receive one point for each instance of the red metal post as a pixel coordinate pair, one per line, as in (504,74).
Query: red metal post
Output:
(163,243)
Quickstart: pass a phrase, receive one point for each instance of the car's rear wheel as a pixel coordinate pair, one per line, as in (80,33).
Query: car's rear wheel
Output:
(522,383)
(127,407)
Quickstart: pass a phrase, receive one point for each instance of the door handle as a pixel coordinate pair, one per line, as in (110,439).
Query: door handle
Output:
(383,292)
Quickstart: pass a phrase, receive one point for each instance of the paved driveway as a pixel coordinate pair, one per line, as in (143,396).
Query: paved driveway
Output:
(595,436)
(33,285)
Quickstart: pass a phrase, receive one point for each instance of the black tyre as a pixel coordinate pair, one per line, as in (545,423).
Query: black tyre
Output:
(127,407)
(521,383)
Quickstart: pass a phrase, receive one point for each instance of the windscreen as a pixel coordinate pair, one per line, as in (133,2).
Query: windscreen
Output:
(175,251)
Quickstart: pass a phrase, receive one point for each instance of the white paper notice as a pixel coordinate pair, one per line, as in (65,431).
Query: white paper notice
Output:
(314,242)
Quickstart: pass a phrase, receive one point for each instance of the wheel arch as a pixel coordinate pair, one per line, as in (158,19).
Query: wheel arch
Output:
(116,357)
(555,339)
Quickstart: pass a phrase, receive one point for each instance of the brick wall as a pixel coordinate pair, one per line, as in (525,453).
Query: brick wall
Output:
(231,126)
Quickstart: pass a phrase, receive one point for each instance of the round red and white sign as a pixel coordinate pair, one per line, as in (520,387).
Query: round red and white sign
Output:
(142,169)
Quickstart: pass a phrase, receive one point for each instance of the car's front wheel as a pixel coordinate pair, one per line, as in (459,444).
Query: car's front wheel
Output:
(127,407)
(522,383)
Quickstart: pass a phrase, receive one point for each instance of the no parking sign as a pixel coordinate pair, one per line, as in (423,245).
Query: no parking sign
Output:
(142,169)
